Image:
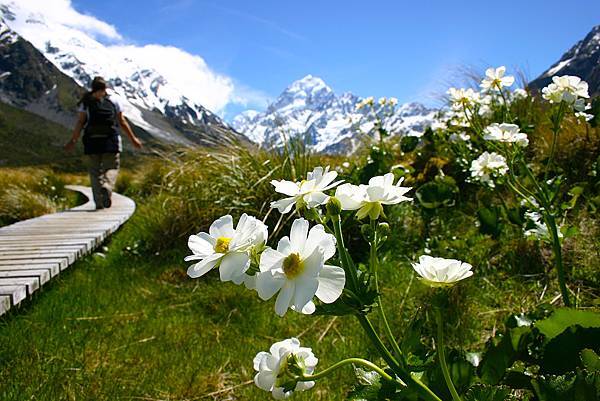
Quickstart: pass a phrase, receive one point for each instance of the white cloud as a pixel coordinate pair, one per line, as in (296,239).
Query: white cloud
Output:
(187,74)
(62,12)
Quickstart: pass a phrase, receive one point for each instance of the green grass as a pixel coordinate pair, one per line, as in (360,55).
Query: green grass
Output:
(120,326)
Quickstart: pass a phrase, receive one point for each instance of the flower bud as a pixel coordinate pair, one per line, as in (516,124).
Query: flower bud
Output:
(334,206)
(383,230)
(367,232)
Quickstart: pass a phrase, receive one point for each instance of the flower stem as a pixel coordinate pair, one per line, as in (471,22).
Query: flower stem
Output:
(442,355)
(374,269)
(555,130)
(556,247)
(355,361)
(344,256)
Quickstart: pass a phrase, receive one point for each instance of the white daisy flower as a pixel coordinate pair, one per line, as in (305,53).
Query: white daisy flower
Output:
(496,80)
(440,272)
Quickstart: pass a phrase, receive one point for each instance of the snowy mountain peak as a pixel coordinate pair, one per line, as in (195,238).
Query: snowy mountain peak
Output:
(310,108)
(582,60)
(132,72)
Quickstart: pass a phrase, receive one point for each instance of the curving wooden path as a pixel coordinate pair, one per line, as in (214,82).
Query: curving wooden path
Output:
(34,251)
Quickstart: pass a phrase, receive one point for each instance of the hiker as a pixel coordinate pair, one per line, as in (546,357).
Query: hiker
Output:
(100,118)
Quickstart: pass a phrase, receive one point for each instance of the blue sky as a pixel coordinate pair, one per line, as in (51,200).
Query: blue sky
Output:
(410,50)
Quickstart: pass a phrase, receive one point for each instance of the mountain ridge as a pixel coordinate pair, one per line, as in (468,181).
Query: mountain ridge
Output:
(582,60)
(328,122)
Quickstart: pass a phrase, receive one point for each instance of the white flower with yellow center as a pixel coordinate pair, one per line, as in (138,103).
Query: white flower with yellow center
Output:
(226,248)
(487,166)
(461,98)
(273,368)
(496,80)
(566,88)
(369,199)
(307,193)
(440,272)
(508,133)
(297,270)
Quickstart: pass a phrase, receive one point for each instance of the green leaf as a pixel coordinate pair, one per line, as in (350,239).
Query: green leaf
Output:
(502,352)
(562,353)
(408,143)
(565,317)
(489,219)
(441,192)
(590,360)
(481,392)
(579,386)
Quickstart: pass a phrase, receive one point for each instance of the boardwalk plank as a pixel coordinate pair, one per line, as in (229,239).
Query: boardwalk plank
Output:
(35,250)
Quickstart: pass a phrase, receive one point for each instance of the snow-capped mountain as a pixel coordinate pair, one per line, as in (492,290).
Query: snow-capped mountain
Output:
(582,60)
(310,108)
(149,100)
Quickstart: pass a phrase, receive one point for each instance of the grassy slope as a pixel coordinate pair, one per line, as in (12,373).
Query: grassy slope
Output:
(29,139)
(122,326)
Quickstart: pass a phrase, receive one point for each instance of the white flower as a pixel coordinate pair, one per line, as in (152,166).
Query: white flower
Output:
(439,272)
(566,88)
(369,199)
(520,93)
(382,101)
(487,166)
(297,270)
(460,137)
(273,368)
(393,101)
(584,116)
(365,102)
(346,164)
(226,248)
(505,133)
(495,79)
(461,98)
(309,192)
(540,229)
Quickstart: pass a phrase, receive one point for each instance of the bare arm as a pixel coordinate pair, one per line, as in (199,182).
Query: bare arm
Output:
(81,119)
(125,126)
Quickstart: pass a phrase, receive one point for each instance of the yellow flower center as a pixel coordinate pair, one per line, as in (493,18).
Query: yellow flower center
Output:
(292,265)
(222,245)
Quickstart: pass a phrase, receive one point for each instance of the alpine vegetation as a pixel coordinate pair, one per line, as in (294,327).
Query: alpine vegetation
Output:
(331,259)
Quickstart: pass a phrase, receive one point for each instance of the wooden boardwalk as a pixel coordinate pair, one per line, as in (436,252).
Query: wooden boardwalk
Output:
(34,251)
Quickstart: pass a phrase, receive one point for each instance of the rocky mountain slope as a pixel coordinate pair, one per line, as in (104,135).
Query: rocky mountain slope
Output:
(36,52)
(582,60)
(328,122)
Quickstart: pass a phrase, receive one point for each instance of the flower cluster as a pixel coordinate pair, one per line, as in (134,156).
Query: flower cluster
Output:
(308,193)
(369,199)
(487,167)
(569,89)
(508,133)
(280,369)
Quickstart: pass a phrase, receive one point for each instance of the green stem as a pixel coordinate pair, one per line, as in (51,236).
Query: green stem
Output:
(442,356)
(355,361)
(556,247)
(344,256)
(374,269)
(555,130)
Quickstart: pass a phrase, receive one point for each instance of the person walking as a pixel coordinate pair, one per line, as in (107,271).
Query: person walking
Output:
(100,118)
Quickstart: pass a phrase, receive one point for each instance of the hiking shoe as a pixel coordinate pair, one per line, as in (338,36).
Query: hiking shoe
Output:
(106,201)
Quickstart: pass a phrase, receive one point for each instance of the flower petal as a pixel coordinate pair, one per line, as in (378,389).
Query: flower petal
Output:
(233,265)
(202,267)
(332,280)
(298,234)
(222,227)
(201,244)
(284,298)
(267,284)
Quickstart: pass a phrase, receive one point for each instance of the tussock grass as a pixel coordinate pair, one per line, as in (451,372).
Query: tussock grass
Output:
(31,192)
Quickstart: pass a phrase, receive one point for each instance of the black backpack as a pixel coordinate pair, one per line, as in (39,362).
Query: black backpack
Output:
(102,119)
